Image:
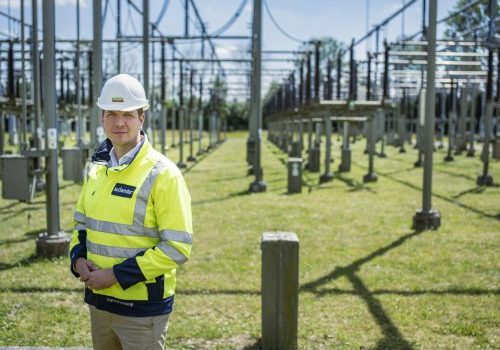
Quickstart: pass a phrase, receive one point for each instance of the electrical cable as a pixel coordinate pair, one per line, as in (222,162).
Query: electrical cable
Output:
(279,27)
(103,17)
(231,20)
(162,12)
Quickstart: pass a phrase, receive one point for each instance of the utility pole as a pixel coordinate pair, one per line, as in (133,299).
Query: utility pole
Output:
(35,63)
(145,56)
(181,163)
(485,179)
(53,242)
(427,217)
(118,36)
(255,108)
(97,69)
(163,100)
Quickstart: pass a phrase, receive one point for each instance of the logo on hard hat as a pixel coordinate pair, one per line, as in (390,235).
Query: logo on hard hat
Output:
(116,99)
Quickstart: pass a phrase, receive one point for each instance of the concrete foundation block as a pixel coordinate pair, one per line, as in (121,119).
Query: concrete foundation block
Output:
(52,246)
(280,287)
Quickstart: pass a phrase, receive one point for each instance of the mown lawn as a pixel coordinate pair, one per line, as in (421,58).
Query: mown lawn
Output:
(367,280)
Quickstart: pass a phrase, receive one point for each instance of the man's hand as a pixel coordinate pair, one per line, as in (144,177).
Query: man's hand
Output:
(84,267)
(100,279)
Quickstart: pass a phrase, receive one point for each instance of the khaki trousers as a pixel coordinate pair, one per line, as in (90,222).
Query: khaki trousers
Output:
(116,332)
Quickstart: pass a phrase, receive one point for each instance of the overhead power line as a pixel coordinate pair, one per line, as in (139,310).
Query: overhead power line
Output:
(232,20)
(279,27)
(162,12)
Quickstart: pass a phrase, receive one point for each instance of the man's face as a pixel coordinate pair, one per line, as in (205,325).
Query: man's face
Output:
(122,128)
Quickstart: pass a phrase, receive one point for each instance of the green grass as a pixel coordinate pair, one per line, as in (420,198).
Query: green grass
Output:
(367,280)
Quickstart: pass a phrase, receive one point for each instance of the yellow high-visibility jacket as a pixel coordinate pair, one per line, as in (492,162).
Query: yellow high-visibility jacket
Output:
(136,219)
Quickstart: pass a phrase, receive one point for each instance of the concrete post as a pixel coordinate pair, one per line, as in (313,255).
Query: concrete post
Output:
(294,175)
(280,286)
(53,242)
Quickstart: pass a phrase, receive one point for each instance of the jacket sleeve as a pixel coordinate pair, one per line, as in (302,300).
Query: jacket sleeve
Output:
(78,246)
(172,207)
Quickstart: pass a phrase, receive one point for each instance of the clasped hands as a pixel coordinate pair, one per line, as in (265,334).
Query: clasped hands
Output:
(92,276)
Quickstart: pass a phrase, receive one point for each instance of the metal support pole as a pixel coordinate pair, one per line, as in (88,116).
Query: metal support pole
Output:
(80,128)
(23,145)
(118,36)
(163,100)
(386,72)
(351,71)
(371,176)
(308,78)
(327,175)
(427,217)
(256,109)
(317,71)
(173,111)
(191,157)
(181,163)
(472,122)
(97,71)
(200,117)
(452,116)
(53,242)
(145,56)
(368,77)
(485,179)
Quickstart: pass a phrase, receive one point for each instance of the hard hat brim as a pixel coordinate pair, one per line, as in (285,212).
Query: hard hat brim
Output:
(117,107)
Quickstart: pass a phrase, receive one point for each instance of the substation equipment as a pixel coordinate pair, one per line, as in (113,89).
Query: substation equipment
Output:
(408,94)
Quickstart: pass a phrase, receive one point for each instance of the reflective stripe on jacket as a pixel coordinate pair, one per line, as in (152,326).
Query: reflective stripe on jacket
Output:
(136,219)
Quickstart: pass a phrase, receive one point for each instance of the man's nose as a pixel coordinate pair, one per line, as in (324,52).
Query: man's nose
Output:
(119,121)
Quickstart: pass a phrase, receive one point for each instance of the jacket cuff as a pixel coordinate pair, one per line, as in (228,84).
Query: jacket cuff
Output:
(128,273)
(76,253)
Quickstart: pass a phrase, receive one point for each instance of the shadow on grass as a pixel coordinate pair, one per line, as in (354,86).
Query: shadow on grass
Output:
(353,184)
(27,237)
(229,196)
(255,346)
(29,290)
(20,211)
(449,200)
(21,263)
(392,336)
(411,293)
(474,190)
(353,267)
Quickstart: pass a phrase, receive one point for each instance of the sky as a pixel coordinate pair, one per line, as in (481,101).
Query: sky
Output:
(301,19)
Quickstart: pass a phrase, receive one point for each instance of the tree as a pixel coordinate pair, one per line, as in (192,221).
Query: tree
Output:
(471,23)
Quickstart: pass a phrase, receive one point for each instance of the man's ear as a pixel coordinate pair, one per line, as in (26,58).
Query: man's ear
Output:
(141,117)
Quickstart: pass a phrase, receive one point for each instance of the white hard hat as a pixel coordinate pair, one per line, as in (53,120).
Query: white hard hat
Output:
(122,93)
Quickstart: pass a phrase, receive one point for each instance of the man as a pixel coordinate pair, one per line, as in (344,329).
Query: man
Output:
(132,227)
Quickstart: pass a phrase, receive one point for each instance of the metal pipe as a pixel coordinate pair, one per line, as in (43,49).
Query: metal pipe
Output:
(97,70)
(145,53)
(36,72)
(163,100)
(429,109)
(49,105)
(317,70)
(118,35)
(80,123)
(256,109)
(23,144)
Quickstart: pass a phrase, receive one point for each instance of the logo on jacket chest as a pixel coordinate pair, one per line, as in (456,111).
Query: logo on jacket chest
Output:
(123,190)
